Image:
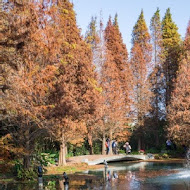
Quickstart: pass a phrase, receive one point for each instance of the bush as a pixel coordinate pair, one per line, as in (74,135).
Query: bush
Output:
(176,153)
(97,147)
(70,154)
(24,174)
(165,155)
(121,151)
(153,150)
(135,152)
(161,156)
(48,158)
(77,150)
(84,149)
(157,156)
(51,185)
(81,151)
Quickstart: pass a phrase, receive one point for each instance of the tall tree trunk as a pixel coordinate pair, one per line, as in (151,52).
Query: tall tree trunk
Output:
(90,141)
(142,143)
(139,143)
(61,182)
(103,144)
(66,149)
(62,155)
(157,98)
(157,120)
(26,159)
(157,137)
(26,162)
(111,136)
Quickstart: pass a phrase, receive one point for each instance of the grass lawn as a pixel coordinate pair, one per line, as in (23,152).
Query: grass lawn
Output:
(77,167)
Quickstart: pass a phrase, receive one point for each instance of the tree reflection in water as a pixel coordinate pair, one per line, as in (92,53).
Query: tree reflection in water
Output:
(122,176)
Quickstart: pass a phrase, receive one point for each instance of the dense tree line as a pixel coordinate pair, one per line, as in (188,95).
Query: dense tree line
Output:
(55,84)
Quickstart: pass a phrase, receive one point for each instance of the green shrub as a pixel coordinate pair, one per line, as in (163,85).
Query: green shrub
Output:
(81,151)
(77,150)
(134,152)
(24,174)
(97,147)
(121,151)
(51,185)
(157,156)
(70,154)
(47,158)
(17,167)
(153,150)
(161,156)
(179,153)
(165,155)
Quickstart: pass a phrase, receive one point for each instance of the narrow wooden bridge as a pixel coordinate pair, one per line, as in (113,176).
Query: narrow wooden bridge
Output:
(115,158)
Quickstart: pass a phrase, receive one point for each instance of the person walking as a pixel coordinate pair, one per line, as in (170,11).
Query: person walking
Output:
(114,147)
(168,144)
(107,144)
(127,148)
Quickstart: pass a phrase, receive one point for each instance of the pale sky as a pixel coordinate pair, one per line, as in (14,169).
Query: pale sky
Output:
(128,13)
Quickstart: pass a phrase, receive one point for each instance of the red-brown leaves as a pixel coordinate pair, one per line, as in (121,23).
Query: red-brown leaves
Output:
(179,109)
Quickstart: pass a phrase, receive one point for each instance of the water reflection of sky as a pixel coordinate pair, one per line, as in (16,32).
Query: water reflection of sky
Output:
(121,176)
(150,175)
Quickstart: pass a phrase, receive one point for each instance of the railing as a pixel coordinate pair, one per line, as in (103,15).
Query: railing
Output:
(188,158)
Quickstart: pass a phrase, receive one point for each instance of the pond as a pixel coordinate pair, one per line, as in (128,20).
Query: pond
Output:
(121,176)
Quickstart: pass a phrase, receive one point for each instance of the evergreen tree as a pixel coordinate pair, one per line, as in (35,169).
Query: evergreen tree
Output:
(93,39)
(140,61)
(141,36)
(171,44)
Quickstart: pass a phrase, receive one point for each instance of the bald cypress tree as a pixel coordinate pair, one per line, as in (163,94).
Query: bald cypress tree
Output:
(115,45)
(187,38)
(117,48)
(74,92)
(156,76)
(140,61)
(28,61)
(125,75)
(179,107)
(118,51)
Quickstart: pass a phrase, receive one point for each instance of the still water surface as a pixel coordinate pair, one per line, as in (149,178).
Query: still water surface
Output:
(121,176)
